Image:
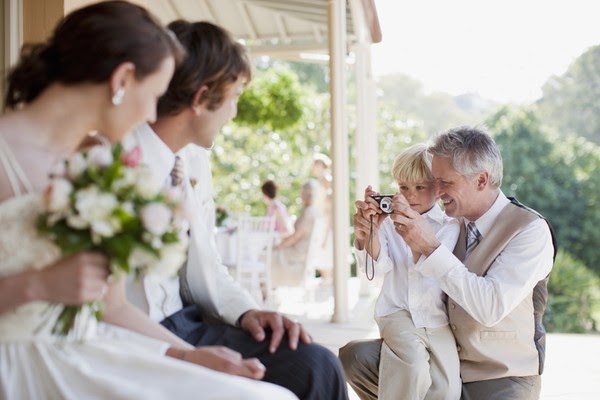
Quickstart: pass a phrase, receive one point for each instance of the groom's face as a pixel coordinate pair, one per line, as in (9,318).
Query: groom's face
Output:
(210,122)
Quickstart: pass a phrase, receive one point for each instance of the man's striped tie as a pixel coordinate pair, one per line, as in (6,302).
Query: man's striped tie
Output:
(473,237)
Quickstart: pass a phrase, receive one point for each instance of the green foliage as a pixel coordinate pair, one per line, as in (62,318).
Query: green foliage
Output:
(245,156)
(571,102)
(558,179)
(574,301)
(312,74)
(395,134)
(273,98)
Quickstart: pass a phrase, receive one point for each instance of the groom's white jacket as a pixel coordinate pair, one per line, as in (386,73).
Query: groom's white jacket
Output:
(211,285)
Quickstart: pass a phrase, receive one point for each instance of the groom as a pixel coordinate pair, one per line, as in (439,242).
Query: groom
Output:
(201,98)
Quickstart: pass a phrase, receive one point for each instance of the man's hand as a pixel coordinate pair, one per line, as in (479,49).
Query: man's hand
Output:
(255,322)
(221,359)
(413,227)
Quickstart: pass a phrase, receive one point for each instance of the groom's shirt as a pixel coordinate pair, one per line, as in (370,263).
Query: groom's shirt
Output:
(155,296)
(211,286)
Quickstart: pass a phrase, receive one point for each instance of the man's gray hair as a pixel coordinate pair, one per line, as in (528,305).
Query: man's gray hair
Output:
(471,151)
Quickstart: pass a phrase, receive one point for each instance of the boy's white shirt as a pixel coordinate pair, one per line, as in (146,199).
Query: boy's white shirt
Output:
(211,285)
(404,288)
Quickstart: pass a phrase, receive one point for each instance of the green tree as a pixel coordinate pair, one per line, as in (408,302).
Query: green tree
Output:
(274,98)
(246,155)
(574,300)
(571,102)
(558,179)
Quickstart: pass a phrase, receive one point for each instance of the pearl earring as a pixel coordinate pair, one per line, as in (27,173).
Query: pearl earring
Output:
(117,98)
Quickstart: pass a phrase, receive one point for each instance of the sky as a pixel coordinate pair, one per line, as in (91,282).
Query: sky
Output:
(502,49)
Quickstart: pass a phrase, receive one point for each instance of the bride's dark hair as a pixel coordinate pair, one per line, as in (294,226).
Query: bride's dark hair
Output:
(86,47)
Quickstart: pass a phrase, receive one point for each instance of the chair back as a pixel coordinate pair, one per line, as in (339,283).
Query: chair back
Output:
(254,245)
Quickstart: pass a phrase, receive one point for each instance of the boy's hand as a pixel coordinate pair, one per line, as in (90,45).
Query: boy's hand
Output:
(362,218)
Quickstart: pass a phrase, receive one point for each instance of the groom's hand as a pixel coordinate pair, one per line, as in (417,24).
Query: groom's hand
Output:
(255,322)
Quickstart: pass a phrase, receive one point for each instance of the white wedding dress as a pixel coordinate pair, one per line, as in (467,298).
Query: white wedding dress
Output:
(97,360)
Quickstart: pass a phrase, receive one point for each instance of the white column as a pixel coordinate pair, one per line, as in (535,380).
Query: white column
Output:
(11,37)
(339,152)
(366,139)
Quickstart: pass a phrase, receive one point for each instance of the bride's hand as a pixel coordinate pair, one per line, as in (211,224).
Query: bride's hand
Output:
(75,279)
(221,359)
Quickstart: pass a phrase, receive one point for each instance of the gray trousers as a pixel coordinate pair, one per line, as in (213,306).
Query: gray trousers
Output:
(360,360)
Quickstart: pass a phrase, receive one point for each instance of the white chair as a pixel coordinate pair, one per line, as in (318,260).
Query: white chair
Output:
(254,245)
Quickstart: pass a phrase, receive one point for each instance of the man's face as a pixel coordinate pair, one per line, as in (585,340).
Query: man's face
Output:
(459,194)
(209,123)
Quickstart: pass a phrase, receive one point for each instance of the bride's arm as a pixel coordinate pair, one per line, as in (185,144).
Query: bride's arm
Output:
(119,311)
(124,314)
(76,279)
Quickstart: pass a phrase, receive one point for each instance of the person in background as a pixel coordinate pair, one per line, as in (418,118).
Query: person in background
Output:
(101,70)
(206,307)
(275,208)
(418,352)
(496,280)
(289,256)
(321,170)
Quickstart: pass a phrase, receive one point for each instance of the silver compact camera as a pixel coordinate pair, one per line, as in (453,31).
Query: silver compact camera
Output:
(385,202)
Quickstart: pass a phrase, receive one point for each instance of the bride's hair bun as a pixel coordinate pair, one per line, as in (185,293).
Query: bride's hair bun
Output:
(35,71)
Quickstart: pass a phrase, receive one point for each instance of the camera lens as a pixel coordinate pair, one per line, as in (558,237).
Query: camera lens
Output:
(386,205)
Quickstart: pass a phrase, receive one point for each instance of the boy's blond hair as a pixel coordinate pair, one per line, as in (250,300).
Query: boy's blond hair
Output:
(413,164)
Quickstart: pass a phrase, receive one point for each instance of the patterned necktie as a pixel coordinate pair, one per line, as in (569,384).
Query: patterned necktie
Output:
(177,172)
(473,237)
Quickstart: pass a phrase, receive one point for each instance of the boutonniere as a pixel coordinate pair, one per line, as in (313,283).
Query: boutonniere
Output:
(193,182)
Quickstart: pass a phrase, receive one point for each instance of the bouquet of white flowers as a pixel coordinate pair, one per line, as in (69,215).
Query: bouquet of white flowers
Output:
(105,200)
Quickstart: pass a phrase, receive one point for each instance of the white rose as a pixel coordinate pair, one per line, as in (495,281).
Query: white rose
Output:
(146,183)
(56,195)
(100,156)
(106,228)
(96,208)
(128,207)
(75,221)
(156,218)
(172,257)
(76,164)
(140,258)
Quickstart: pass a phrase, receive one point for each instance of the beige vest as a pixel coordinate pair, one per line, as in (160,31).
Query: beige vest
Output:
(516,345)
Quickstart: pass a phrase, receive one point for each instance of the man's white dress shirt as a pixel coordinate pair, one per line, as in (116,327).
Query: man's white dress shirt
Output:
(210,283)
(525,261)
(405,288)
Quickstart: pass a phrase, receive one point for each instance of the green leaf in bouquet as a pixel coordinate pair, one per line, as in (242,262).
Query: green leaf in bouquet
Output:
(66,320)
(170,237)
(119,248)
(68,240)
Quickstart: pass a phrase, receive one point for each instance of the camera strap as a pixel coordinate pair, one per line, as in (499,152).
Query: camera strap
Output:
(369,252)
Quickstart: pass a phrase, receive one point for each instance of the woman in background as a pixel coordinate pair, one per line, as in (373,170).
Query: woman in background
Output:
(275,208)
(289,256)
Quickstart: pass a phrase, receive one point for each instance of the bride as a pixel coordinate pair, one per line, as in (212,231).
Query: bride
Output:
(102,70)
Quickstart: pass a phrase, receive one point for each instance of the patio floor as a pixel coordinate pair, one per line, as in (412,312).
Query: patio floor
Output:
(572,369)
